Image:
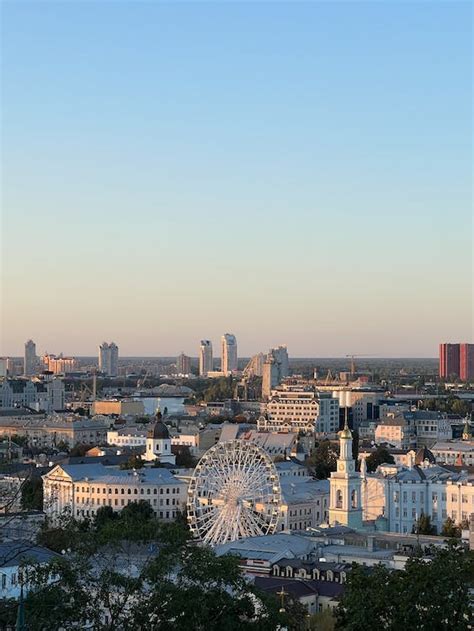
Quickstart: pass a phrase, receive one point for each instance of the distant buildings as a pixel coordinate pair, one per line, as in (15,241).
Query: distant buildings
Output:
(183,364)
(58,364)
(456,361)
(108,359)
(275,368)
(51,430)
(206,361)
(119,407)
(229,358)
(30,364)
(46,395)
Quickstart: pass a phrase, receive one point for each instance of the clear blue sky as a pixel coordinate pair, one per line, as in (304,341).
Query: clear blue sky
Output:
(294,173)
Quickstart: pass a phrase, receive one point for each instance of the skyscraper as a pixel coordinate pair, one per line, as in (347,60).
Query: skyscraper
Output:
(206,362)
(183,364)
(108,359)
(30,364)
(466,362)
(228,353)
(275,369)
(449,360)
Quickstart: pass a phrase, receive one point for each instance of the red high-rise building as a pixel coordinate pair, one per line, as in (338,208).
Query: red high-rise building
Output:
(449,360)
(466,362)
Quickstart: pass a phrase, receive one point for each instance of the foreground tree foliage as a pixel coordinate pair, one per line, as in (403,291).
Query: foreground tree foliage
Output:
(431,595)
(128,571)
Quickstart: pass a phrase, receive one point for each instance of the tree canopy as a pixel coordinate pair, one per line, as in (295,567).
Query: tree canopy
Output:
(381,455)
(170,582)
(427,595)
(323,459)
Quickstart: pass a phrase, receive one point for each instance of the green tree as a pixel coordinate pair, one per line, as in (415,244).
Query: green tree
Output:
(423,525)
(80,450)
(32,494)
(182,586)
(381,455)
(450,529)
(425,595)
(134,462)
(184,458)
(323,459)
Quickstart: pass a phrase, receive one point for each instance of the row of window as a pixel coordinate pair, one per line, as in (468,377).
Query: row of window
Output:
(108,501)
(167,491)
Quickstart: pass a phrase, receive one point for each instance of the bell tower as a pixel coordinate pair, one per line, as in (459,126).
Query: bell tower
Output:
(345,503)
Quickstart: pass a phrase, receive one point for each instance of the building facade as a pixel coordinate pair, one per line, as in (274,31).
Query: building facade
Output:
(276,367)
(58,364)
(296,409)
(183,364)
(449,360)
(46,395)
(229,359)
(206,360)
(30,362)
(466,362)
(80,490)
(108,359)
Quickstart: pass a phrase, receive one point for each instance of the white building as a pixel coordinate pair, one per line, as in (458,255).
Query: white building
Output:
(305,502)
(47,394)
(158,444)
(296,409)
(206,361)
(80,490)
(229,359)
(108,359)
(30,362)
(15,557)
(345,506)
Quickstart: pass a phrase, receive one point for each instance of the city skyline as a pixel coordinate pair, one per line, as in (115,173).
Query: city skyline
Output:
(296,174)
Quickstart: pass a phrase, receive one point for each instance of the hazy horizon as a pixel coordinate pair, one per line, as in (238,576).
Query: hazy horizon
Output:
(293,173)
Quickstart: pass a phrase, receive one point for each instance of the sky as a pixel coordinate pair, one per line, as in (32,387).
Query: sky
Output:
(293,173)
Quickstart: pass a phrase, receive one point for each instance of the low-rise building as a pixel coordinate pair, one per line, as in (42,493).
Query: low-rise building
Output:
(119,407)
(46,394)
(54,429)
(80,490)
(305,503)
(15,557)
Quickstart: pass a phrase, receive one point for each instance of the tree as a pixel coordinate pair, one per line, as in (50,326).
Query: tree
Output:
(134,462)
(80,450)
(184,458)
(32,494)
(381,455)
(427,595)
(423,525)
(21,441)
(450,529)
(323,460)
(180,586)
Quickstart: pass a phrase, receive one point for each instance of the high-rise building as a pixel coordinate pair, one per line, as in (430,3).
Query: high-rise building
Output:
(228,353)
(449,356)
(30,365)
(108,359)
(206,362)
(183,364)
(466,362)
(275,369)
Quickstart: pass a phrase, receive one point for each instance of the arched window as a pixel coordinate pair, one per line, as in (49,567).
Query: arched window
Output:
(354,499)
(338,499)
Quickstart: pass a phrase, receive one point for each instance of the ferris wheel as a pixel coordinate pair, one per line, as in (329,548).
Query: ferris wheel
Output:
(234,492)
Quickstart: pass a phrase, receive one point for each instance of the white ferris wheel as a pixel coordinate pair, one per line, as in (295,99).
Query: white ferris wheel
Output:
(234,492)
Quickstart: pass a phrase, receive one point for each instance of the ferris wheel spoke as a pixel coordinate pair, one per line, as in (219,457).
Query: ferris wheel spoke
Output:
(234,492)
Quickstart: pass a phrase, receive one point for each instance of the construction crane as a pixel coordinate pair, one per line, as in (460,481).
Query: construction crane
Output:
(353,356)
